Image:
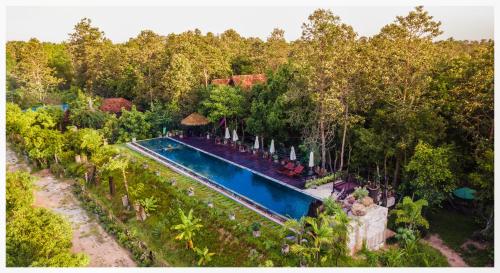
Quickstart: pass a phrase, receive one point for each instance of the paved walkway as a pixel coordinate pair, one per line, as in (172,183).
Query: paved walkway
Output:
(88,236)
(454,259)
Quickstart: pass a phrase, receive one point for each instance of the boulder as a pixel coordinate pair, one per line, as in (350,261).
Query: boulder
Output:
(358,209)
(367,201)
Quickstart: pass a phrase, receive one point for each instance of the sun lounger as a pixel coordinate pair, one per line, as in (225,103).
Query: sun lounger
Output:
(287,168)
(297,171)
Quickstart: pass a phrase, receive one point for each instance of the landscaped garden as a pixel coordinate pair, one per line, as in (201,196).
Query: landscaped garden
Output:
(395,117)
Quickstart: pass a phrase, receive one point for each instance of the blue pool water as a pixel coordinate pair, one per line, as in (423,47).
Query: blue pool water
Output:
(267,193)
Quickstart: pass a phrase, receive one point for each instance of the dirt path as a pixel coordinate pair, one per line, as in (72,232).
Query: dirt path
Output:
(88,236)
(451,255)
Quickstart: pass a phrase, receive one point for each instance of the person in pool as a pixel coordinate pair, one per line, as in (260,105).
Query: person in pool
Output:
(169,147)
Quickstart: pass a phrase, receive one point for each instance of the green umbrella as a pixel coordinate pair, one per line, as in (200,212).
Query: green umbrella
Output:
(464,193)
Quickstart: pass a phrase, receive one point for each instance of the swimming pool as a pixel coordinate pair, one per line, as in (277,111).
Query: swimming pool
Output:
(269,194)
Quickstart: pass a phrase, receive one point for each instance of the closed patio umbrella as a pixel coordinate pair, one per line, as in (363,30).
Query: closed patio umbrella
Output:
(227,135)
(256,144)
(292,154)
(311,160)
(235,136)
(271,148)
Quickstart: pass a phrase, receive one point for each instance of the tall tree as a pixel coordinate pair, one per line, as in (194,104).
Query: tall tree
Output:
(84,45)
(405,54)
(326,47)
(33,72)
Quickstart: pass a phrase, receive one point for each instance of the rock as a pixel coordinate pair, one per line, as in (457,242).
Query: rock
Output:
(358,209)
(351,199)
(285,249)
(367,201)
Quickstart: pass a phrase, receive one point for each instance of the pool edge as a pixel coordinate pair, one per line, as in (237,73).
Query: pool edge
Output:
(254,206)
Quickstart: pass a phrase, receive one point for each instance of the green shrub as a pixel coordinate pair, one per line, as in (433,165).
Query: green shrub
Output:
(360,193)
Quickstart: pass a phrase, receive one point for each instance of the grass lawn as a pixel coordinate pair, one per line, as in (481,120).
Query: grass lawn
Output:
(455,228)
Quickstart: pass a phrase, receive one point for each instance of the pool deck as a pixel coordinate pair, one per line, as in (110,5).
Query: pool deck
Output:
(246,159)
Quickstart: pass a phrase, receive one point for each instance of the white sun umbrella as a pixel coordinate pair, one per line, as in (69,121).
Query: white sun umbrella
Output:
(311,159)
(256,144)
(271,148)
(227,136)
(235,136)
(292,154)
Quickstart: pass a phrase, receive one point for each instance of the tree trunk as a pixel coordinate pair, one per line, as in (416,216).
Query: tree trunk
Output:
(323,143)
(489,225)
(396,173)
(112,189)
(126,183)
(343,138)
(330,160)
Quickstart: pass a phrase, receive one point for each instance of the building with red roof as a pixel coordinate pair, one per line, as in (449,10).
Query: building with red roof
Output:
(244,81)
(115,105)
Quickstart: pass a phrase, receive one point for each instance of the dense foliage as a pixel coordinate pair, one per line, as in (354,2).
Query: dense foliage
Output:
(35,236)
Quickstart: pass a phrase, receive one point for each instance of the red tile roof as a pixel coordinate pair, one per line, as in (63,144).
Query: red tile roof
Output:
(115,105)
(244,81)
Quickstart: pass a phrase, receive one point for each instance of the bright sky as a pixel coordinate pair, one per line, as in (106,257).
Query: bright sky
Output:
(121,23)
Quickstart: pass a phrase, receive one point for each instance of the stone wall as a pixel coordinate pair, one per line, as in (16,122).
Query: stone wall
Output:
(369,227)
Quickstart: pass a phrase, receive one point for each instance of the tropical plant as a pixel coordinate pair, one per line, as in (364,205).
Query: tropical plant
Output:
(320,241)
(188,227)
(409,213)
(204,256)
(150,204)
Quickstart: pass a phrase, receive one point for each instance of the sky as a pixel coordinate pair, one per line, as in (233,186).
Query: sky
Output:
(53,24)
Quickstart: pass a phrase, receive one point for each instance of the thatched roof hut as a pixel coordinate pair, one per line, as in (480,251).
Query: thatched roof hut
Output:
(195,119)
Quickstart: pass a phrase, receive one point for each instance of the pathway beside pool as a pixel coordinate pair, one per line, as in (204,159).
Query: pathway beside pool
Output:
(246,159)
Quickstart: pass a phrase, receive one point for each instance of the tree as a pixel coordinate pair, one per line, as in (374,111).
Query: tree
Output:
(84,45)
(39,237)
(121,164)
(19,191)
(276,50)
(178,81)
(90,140)
(59,60)
(326,50)
(409,213)
(403,56)
(431,174)
(132,124)
(223,102)
(146,53)
(161,116)
(33,73)
(483,179)
(188,227)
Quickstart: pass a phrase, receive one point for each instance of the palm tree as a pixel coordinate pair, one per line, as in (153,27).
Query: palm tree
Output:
(188,227)
(204,256)
(409,212)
